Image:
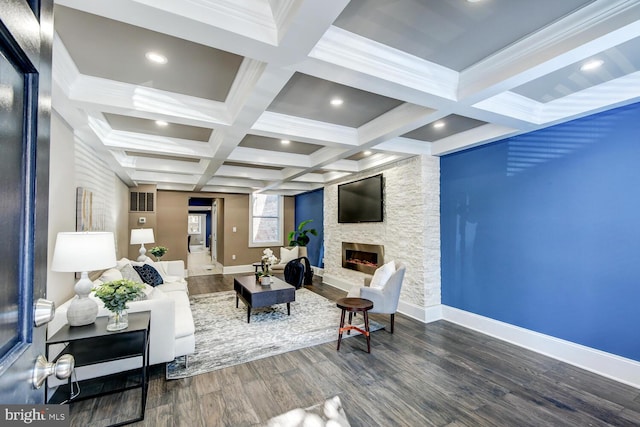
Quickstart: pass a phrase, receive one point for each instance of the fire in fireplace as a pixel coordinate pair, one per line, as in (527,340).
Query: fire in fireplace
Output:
(362,257)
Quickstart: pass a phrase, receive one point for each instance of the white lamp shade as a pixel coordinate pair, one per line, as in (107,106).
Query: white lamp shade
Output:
(84,251)
(142,236)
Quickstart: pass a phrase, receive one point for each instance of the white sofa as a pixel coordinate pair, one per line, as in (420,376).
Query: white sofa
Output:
(172,328)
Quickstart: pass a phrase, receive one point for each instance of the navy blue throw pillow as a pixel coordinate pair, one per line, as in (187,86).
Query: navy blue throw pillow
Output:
(149,275)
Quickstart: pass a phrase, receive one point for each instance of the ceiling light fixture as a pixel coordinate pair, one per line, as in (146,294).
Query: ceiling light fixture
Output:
(438,125)
(591,65)
(156,57)
(285,141)
(367,153)
(162,123)
(336,102)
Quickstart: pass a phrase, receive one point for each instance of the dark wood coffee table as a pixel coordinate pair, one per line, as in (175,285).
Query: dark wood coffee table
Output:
(255,295)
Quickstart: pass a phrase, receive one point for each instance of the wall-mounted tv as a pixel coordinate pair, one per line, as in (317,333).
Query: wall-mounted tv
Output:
(361,201)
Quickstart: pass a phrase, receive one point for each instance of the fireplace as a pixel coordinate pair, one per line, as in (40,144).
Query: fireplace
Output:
(362,257)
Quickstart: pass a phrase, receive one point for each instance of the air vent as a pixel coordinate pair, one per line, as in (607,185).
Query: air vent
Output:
(141,202)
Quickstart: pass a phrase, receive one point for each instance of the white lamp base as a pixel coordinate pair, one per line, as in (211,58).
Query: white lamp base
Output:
(143,251)
(82,310)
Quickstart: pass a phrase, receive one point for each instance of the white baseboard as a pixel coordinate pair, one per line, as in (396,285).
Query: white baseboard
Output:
(317,271)
(608,365)
(237,269)
(423,314)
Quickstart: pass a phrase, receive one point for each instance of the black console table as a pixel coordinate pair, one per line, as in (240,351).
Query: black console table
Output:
(93,344)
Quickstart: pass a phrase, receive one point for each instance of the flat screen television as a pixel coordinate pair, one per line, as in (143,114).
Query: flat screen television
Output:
(361,201)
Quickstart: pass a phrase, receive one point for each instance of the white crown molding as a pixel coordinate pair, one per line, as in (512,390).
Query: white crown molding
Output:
(406,146)
(158,165)
(247,172)
(398,121)
(64,70)
(252,19)
(243,85)
(125,98)
(156,145)
(269,158)
(472,138)
(170,187)
(299,128)
(623,90)
(620,91)
(300,187)
(236,182)
(316,178)
(231,190)
(349,50)
(283,12)
(379,159)
(513,105)
(163,177)
(595,27)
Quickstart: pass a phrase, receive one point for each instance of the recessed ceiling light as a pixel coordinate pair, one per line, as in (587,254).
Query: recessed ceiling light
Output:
(591,65)
(438,125)
(156,57)
(162,123)
(336,101)
(367,153)
(285,141)
(474,1)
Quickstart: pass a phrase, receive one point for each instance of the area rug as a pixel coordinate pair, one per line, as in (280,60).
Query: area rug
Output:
(224,338)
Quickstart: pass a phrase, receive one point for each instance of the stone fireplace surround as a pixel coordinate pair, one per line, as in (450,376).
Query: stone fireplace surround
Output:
(410,233)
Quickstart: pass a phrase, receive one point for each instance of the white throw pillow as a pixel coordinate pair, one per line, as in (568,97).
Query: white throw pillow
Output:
(287,255)
(110,275)
(382,274)
(129,273)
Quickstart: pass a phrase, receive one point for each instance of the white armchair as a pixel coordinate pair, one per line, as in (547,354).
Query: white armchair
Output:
(385,299)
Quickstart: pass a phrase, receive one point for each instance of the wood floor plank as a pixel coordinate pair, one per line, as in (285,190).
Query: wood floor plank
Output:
(436,374)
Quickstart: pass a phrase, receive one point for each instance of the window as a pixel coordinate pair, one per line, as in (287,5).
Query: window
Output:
(265,222)
(194,224)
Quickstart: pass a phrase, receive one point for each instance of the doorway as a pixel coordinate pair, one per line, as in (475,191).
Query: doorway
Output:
(202,237)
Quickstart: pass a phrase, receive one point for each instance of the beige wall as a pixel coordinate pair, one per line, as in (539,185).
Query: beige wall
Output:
(133,251)
(233,211)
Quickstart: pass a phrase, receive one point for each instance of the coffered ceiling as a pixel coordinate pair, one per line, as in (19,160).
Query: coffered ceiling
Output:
(284,96)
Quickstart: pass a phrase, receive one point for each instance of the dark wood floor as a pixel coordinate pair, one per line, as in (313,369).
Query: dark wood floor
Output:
(437,374)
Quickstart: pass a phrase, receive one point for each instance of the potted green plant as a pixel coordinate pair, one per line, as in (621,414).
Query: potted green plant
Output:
(299,236)
(115,295)
(158,251)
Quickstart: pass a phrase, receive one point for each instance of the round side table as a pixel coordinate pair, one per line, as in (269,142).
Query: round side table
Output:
(354,305)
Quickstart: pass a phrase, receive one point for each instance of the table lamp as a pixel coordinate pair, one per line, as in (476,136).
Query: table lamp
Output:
(142,236)
(83,252)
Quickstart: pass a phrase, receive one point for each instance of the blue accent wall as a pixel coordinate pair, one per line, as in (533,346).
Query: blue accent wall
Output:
(542,231)
(310,206)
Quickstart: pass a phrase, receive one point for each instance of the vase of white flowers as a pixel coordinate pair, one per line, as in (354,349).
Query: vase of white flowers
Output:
(268,259)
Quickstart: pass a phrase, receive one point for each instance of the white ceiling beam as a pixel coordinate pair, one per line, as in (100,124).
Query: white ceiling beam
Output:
(349,50)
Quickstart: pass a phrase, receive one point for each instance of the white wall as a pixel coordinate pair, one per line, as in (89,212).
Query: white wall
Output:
(410,231)
(62,200)
(74,164)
